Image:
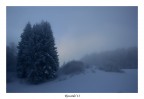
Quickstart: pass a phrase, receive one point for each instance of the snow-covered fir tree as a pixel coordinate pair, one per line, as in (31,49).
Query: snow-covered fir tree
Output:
(23,58)
(42,62)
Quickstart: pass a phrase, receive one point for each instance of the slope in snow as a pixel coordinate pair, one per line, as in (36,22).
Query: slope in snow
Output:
(92,81)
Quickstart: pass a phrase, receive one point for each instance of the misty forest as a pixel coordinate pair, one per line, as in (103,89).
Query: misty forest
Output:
(36,64)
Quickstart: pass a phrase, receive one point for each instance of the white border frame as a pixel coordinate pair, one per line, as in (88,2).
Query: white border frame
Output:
(4,3)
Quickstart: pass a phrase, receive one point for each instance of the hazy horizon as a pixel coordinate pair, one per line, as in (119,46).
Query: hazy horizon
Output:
(79,30)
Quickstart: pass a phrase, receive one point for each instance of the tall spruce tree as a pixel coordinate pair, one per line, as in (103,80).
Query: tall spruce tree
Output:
(41,61)
(23,58)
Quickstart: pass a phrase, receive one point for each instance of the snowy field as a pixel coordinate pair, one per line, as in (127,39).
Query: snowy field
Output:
(91,81)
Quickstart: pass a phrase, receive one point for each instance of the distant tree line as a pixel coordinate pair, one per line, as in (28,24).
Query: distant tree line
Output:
(11,61)
(11,57)
(116,59)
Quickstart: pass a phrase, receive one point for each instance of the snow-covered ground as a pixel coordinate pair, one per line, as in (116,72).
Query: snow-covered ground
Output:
(92,81)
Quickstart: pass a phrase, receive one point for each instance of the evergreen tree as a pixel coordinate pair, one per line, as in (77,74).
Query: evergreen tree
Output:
(23,61)
(40,61)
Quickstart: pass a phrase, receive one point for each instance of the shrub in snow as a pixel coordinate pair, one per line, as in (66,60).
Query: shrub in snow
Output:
(72,67)
(37,54)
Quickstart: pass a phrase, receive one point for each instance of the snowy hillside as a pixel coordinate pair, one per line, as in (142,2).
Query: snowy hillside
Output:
(91,81)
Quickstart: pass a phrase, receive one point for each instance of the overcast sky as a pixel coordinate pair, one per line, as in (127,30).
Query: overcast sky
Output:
(79,30)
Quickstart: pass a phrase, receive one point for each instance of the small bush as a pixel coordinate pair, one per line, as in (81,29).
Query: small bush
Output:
(73,67)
